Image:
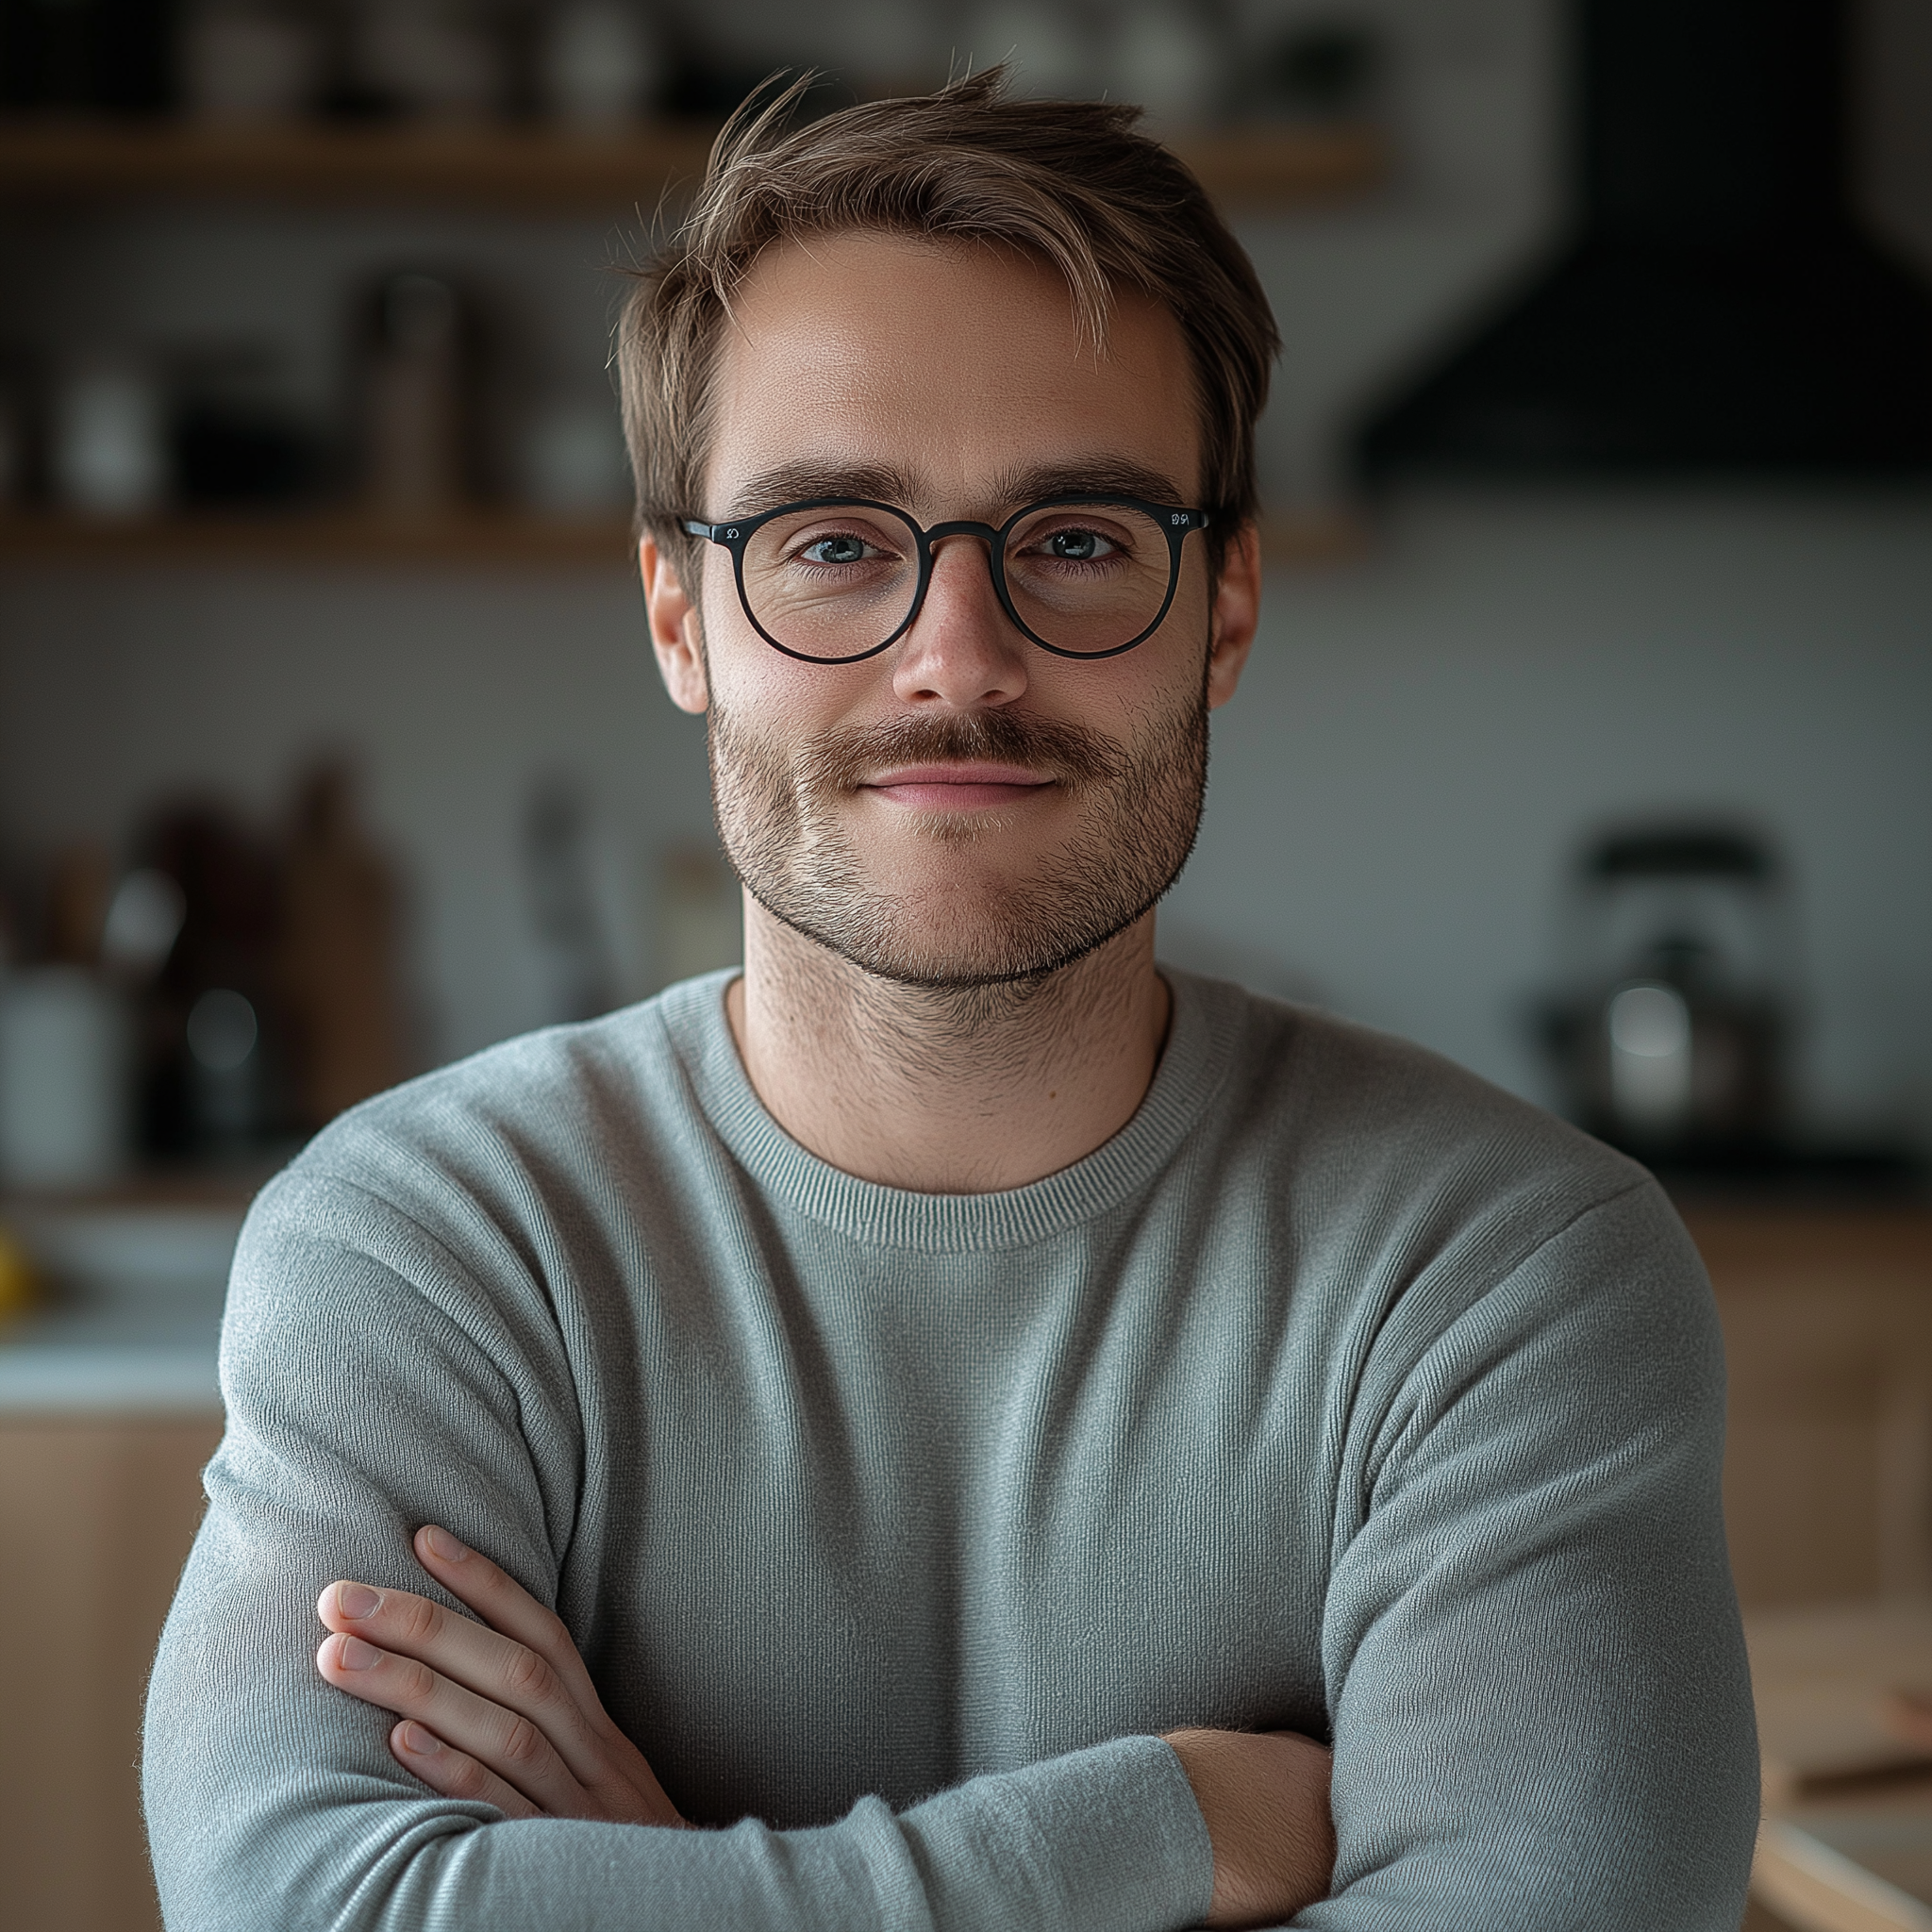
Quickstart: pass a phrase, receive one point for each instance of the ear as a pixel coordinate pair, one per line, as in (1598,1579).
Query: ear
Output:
(673,616)
(1237,612)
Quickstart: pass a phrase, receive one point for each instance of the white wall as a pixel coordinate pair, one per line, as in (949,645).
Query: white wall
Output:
(1423,738)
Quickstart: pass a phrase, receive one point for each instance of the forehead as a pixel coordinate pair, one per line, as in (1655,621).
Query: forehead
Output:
(953,366)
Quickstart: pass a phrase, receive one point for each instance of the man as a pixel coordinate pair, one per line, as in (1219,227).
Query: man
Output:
(966,1415)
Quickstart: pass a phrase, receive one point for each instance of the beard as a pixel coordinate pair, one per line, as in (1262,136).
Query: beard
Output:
(783,815)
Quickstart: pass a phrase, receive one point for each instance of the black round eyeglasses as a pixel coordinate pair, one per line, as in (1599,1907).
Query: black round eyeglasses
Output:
(838,580)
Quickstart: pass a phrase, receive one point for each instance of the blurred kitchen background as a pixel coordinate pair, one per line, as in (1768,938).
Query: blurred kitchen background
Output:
(1587,740)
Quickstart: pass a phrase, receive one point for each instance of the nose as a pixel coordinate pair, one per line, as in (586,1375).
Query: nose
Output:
(961,651)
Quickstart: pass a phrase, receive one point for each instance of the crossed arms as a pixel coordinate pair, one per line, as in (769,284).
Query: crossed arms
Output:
(1539,1706)
(503,1712)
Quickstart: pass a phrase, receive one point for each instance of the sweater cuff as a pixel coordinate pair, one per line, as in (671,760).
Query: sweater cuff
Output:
(1109,1839)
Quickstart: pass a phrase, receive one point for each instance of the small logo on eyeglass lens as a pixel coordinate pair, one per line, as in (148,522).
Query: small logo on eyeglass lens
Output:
(731,535)
(1179,516)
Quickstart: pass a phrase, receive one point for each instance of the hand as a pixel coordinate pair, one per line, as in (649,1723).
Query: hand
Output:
(505,1715)
(1264,1798)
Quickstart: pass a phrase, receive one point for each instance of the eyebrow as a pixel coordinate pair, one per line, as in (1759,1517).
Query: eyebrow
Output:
(805,482)
(1105,476)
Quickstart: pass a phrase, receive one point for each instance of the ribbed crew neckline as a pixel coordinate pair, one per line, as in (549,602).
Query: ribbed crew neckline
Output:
(1200,1044)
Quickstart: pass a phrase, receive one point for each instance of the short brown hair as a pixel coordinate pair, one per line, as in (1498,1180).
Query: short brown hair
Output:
(1070,182)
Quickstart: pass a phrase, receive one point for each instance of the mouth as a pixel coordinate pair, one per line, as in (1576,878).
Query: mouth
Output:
(959,786)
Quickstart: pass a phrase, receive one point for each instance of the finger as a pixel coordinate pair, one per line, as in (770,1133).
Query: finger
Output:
(495,1667)
(505,1605)
(452,1773)
(599,1754)
(503,1741)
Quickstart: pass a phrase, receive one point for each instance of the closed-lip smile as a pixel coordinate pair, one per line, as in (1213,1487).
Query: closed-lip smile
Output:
(965,786)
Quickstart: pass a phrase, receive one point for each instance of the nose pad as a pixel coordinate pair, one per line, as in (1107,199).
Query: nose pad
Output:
(965,540)
(958,649)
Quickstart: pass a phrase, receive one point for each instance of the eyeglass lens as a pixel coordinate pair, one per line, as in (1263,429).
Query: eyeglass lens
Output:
(834,583)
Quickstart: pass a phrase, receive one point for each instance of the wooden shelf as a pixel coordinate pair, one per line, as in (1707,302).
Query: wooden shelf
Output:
(336,536)
(474,537)
(510,168)
(531,169)
(1335,534)
(1287,167)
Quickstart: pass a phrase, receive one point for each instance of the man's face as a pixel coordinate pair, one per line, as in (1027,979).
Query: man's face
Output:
(965,807)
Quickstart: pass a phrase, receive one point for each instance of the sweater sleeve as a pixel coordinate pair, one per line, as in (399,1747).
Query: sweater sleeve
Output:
(371,1388)
(1537,1681)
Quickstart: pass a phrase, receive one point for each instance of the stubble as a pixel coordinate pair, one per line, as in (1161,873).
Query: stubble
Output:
(784,812)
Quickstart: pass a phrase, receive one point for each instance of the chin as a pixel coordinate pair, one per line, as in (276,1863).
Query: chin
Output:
(962,934)
(960,831)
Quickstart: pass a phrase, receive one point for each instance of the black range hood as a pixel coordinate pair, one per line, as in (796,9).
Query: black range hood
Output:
(1720,311)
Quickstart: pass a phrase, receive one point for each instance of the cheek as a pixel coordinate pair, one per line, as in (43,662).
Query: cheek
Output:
(1193,596)
(746,674)
(1128,697)
(779,694)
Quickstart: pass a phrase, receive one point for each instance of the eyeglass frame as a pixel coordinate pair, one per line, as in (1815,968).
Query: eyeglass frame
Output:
(1176,522)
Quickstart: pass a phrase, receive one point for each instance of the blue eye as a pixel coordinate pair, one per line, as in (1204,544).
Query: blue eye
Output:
(841,549)
(1079,546)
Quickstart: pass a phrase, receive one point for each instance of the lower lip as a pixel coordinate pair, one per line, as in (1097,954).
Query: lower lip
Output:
(930,797)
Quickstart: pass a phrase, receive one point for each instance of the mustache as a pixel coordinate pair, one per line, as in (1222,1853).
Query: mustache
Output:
(1076,755)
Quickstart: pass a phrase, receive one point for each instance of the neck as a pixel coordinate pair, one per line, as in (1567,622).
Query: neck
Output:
(946,1091)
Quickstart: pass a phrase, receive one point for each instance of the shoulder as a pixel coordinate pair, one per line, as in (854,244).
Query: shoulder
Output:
(1344,1100)
(1470,1268)
(523,1129)
(1396,1175)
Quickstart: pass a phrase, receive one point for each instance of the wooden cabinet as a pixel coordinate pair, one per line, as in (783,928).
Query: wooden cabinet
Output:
(96,1515)
(1827,1319)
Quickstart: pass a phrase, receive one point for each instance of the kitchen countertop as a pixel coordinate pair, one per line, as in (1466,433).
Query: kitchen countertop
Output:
(1846,1841)
(132,1318)
(123,1360)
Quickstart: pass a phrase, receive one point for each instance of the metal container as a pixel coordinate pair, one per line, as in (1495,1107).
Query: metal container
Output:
(1671,1040)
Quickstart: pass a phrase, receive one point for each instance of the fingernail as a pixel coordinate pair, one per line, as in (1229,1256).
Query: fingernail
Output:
(417,1742)
(354,1655)
(357,1600)
(443,1544)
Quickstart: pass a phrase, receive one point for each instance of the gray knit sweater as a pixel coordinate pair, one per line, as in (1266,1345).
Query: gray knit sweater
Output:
(1337,1391)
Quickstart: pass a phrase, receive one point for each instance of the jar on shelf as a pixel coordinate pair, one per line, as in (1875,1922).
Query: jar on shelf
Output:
(440,58)
(107,444)
(418,396)
(252,60)
(601,64)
